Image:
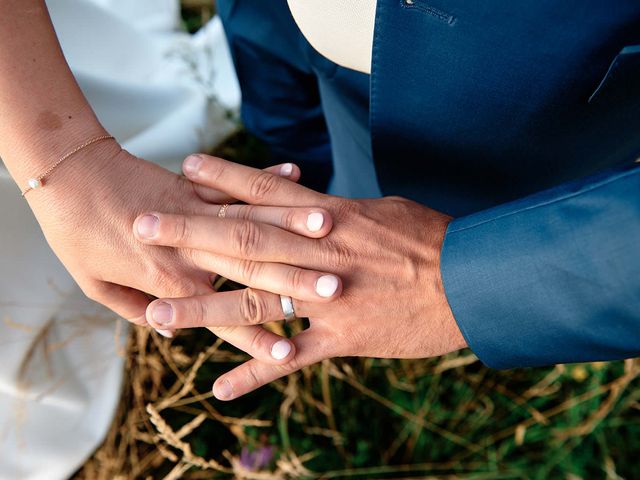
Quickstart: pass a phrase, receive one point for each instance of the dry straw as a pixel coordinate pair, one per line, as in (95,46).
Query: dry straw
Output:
(162,381)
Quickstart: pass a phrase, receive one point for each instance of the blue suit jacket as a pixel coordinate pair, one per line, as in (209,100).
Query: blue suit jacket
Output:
(519,118)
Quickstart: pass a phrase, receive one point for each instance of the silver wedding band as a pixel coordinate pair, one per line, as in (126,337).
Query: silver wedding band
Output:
(287,308)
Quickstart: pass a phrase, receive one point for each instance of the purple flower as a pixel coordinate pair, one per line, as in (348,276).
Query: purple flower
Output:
(257,459)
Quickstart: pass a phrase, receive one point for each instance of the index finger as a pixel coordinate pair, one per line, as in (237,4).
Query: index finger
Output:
(312,346)
(287,170)
(250,185)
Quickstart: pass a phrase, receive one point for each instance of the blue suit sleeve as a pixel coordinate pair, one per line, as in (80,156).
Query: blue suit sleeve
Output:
(550,278)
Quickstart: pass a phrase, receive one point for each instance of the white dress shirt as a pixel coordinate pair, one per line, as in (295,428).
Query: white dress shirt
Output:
(340,30)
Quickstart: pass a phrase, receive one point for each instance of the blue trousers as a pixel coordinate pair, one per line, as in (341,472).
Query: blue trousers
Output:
(307,109)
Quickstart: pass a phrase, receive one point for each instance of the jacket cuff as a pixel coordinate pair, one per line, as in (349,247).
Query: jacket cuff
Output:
(473,292)
(550,278)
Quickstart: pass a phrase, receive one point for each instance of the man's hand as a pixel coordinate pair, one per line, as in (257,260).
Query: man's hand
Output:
(371,287)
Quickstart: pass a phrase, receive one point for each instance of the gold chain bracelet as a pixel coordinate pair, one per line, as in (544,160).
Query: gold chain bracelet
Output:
(37,182)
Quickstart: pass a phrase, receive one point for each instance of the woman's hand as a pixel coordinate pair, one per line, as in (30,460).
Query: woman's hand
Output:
(385,255)
(90,200)
(86,211)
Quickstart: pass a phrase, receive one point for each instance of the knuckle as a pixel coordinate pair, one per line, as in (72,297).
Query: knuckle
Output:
(344,209)
(261,184)
(247,212)
(180,229)
(258,343)
(252,376)
(187,287)
(248,270)
(161,281)
(401,207)
(288,220)
(245,236)
(336,254)
(196,314)
(169,285)
(212,170)
(252,308)
(295,279)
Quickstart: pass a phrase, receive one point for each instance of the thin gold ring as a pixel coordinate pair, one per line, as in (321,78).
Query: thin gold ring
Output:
(223,211)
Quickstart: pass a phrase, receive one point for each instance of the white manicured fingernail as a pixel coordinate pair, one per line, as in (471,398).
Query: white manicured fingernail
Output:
(164,333)
(286,169)
(326,285)
(315,221)
(224,390)
(280,349)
